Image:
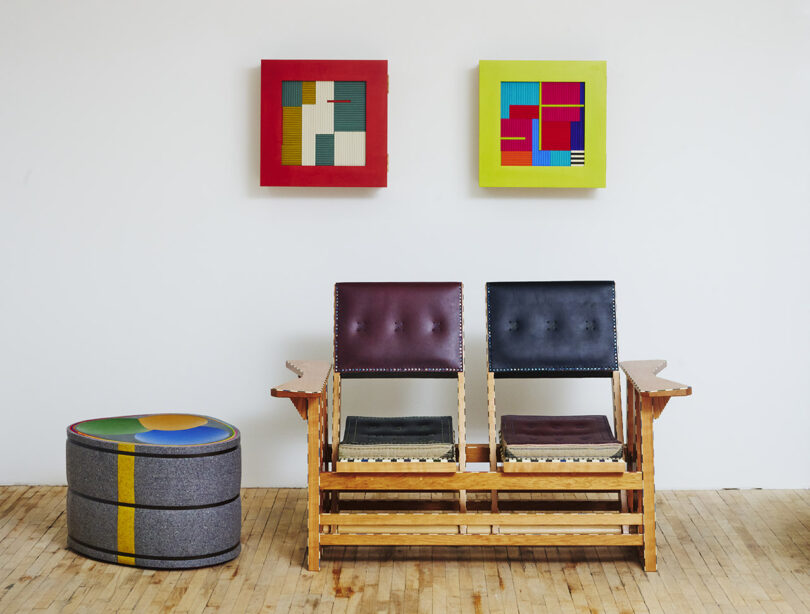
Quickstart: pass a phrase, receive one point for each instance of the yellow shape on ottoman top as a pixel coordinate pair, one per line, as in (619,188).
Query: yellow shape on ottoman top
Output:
(172,422)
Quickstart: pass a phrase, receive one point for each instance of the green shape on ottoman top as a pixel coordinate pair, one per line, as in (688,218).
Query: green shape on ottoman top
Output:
(110,427)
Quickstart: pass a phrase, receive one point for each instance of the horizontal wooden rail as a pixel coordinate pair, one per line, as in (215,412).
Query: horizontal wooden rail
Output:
(394,467)
(564,467)
(482,519)
(479,453)
(476,452)
(633,539)
(451,505)
(489,480)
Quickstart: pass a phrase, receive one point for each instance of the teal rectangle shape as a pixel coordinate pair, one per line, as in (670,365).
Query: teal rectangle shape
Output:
(324,150)
(559,158)
(350,116)
(291,93)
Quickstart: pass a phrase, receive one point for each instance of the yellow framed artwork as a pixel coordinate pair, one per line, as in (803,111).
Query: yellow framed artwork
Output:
(541,124)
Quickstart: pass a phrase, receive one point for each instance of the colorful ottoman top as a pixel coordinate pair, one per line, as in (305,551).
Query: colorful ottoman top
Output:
(156,433)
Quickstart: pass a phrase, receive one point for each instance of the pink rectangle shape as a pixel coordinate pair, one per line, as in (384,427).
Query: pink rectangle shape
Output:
(561,114)
(521,132)
(560,93)
(523,111)
(516,145)
(516,127)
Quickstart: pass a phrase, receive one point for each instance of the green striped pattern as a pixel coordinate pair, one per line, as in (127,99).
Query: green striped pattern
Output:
(350,116)
(324,150)
(291,93)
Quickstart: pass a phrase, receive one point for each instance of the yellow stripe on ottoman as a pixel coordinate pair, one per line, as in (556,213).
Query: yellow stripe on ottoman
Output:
(126,494)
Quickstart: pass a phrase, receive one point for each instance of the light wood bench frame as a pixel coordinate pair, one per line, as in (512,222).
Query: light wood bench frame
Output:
(446,523)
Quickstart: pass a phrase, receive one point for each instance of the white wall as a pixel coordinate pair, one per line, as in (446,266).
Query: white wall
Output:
(143,269)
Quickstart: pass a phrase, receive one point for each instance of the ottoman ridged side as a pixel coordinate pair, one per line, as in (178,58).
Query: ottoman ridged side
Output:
(158,491)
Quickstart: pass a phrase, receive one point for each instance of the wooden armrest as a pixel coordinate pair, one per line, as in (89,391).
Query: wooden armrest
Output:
(643,375)
(313,376)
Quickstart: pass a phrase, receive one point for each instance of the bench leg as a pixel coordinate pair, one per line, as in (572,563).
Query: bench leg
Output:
(648,481)
(314,459)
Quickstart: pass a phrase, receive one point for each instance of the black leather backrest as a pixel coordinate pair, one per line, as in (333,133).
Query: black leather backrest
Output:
(552,328)
(398,329)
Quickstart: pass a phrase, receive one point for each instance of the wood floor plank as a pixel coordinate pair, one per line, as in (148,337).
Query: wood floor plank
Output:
(44,558)
(9,498)
(718,551)
(28,539)
(779,547)
(286,552)
(18,527)
(263,538)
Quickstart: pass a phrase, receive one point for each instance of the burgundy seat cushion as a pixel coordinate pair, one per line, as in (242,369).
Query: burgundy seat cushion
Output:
(581,436)
(537,430)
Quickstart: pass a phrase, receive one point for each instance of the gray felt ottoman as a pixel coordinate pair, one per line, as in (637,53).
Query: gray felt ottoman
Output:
(158,491)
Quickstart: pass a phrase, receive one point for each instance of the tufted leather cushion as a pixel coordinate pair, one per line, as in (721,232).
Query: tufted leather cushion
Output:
(537,430)
(558,436)
(552,329)
(366,430)
(398,329)
(407,437)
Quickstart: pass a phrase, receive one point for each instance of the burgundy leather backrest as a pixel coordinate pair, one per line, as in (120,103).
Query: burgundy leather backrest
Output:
(398,329)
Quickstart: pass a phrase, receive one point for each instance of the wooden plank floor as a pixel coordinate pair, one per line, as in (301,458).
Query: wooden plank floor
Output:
(719,551)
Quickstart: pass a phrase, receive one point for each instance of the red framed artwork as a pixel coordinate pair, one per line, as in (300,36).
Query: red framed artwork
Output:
(324,123)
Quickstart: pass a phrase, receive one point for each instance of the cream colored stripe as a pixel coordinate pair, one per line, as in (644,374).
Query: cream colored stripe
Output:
(350,148)
(324,111)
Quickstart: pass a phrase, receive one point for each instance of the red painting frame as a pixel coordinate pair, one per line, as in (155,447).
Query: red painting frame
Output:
(374,73)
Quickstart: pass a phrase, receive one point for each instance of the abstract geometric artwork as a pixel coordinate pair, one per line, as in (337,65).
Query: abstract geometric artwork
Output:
(324,123)
(542,124)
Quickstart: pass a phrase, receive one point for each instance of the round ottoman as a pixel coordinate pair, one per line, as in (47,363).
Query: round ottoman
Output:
(158,491)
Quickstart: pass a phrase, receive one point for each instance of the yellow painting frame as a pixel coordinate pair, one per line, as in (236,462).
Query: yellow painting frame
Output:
(592,174)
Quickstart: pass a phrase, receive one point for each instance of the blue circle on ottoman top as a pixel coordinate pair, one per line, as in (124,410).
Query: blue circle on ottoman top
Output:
(196,435)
